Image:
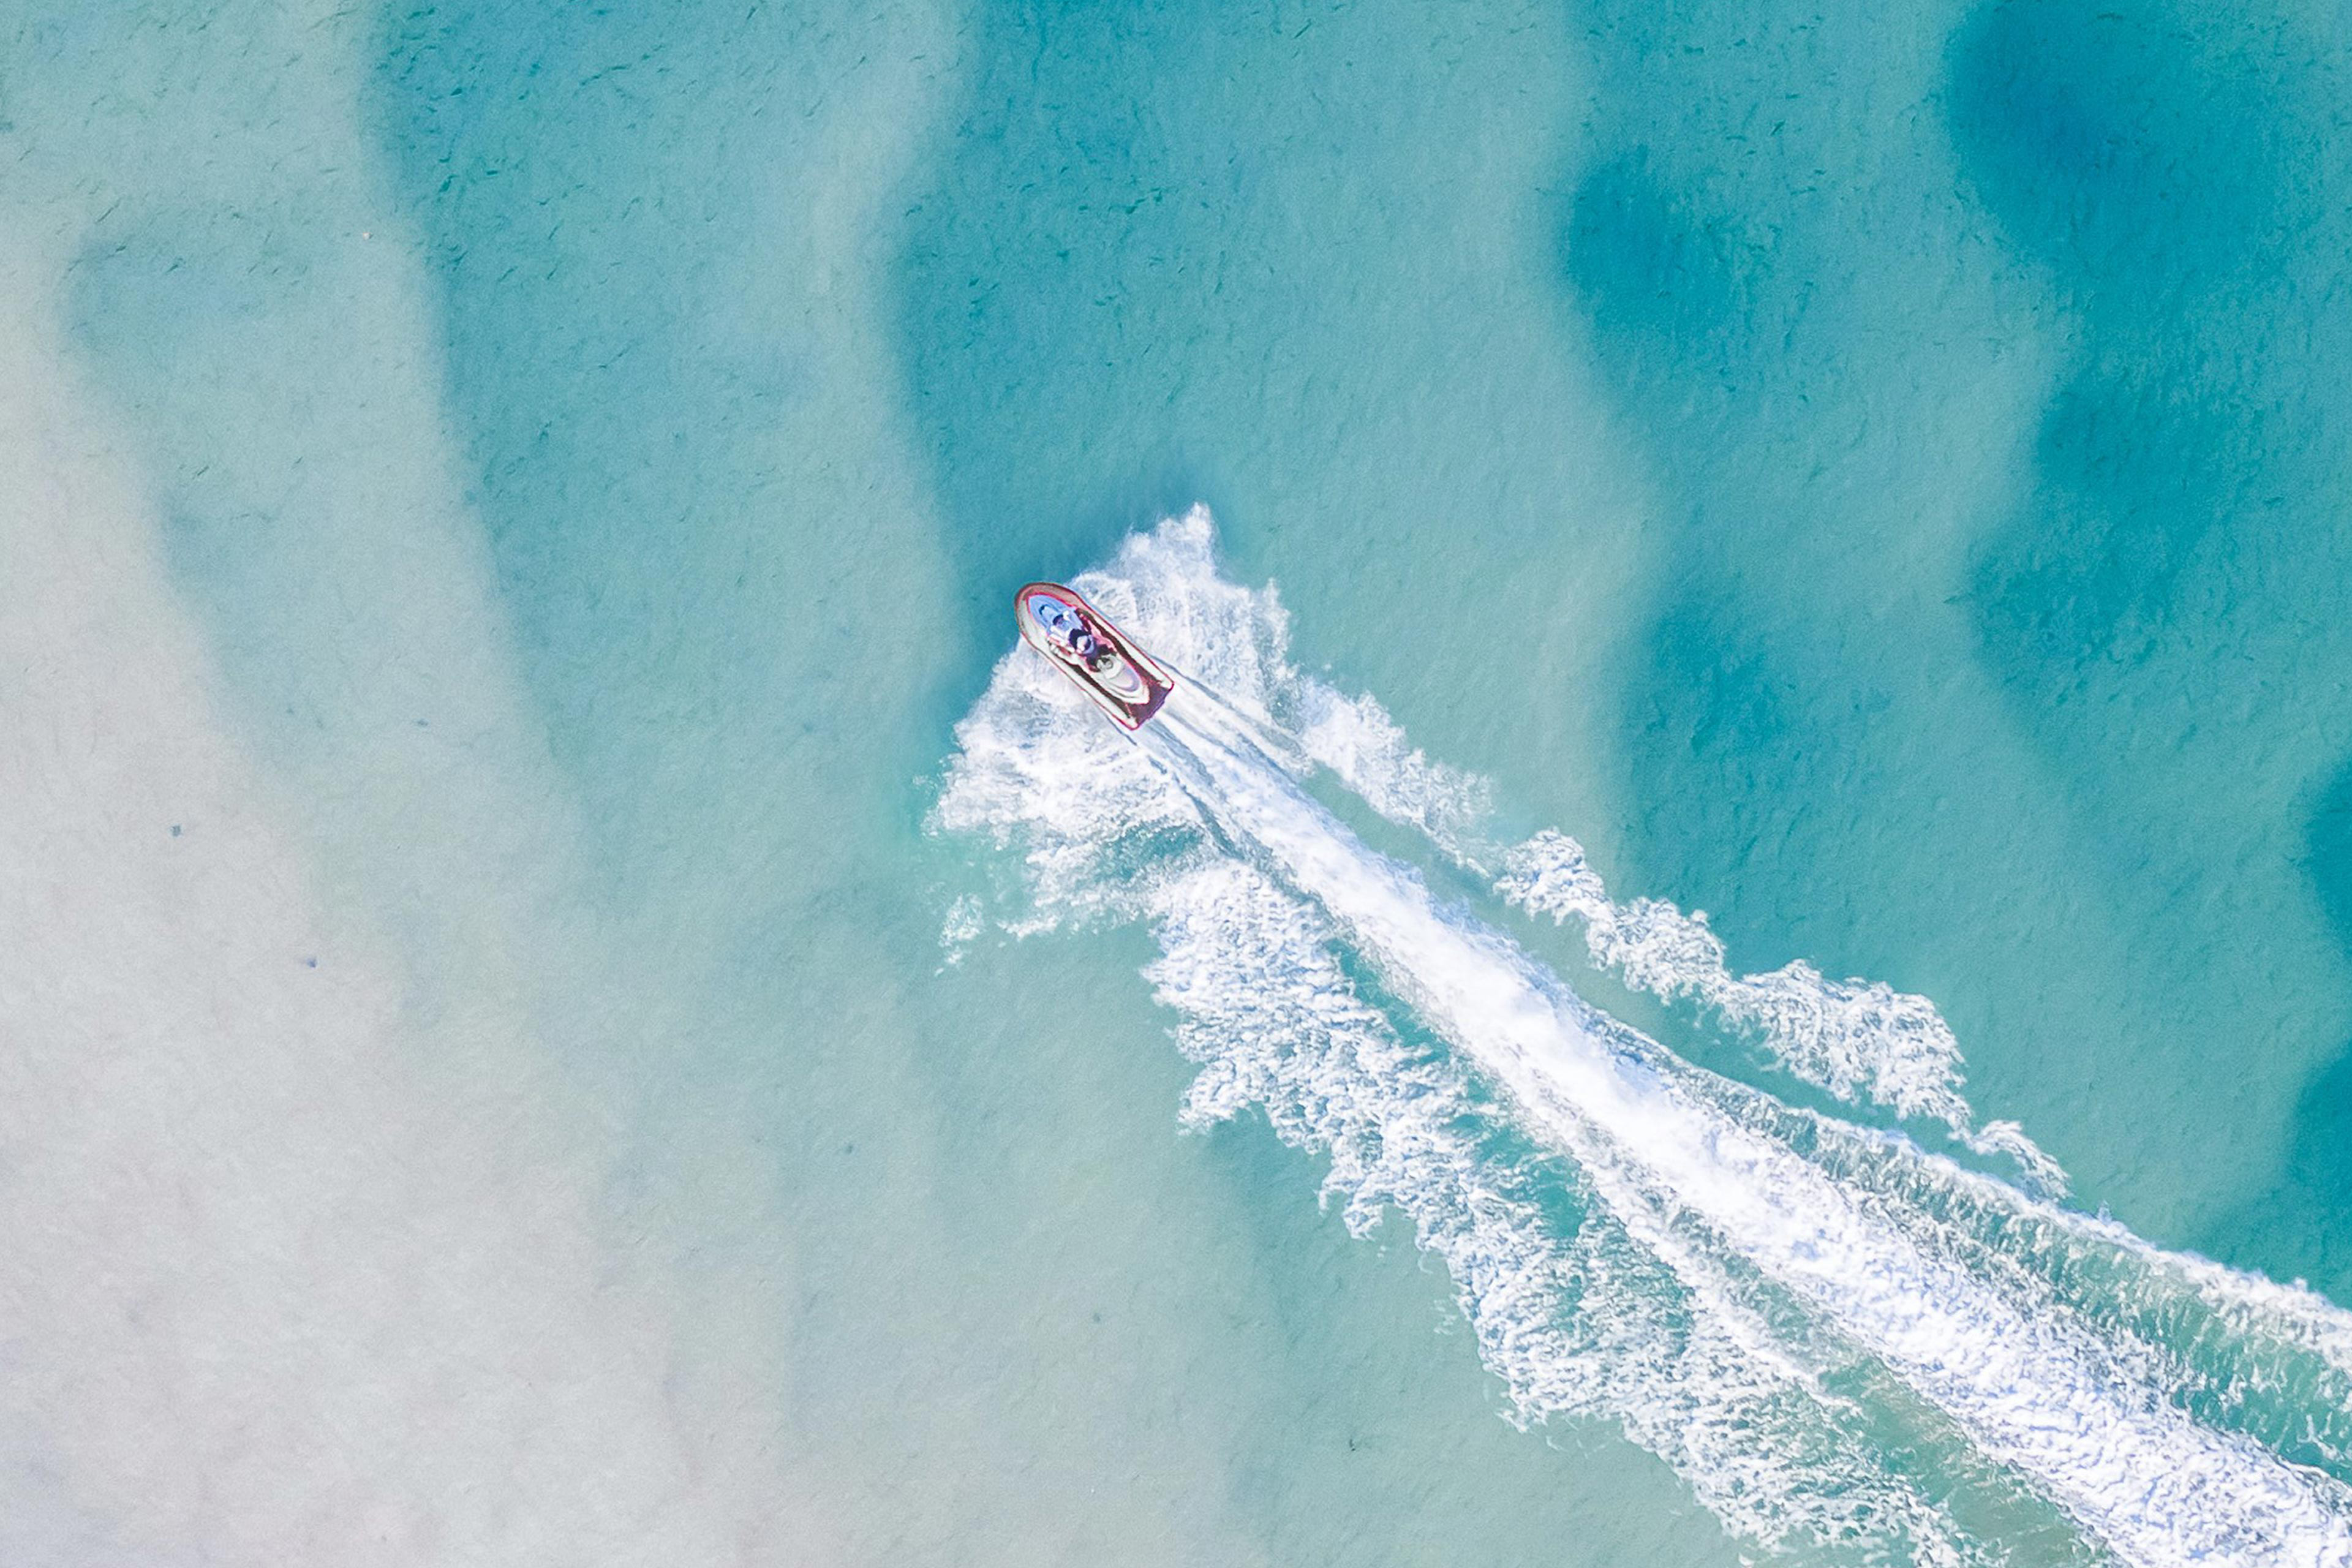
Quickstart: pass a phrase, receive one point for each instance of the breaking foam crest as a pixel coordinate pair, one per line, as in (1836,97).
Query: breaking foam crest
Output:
(1787,1310)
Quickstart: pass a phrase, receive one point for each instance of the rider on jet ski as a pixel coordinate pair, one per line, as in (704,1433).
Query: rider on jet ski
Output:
(1064,623)
(1077,639)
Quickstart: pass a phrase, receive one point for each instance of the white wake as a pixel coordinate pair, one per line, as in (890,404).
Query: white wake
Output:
(1752,1293)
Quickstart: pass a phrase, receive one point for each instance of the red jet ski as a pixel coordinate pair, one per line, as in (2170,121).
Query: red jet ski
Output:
(1121,678)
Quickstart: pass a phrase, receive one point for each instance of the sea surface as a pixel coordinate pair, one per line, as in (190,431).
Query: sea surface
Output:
(1737,947)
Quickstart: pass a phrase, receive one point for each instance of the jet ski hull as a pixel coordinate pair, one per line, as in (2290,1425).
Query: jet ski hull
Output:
(1122,680)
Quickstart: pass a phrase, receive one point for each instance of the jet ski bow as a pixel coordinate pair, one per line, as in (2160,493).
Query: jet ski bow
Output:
(1123,680)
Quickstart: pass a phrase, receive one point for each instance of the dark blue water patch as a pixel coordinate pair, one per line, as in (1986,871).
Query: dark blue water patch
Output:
(1763,247)
(1056,258)
(2328,855)
(1657,271)
(2139,140)
(1742,751)
(2295,1229)
(2139,469)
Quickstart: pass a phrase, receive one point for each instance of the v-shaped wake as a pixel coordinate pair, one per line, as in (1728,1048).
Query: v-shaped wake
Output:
(1730,1281)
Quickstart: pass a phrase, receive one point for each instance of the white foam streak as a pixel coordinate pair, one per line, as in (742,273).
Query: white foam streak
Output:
(1357,739)
(2035,1391)
(1581,1331)
(1858,1040)
(1852,1038)
(1713,1286)
(1623,1318)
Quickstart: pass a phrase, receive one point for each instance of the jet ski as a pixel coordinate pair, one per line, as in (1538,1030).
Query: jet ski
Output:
(1123,680)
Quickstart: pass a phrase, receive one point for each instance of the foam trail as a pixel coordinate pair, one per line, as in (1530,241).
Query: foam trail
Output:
(2037,1391)
(1852,1038)
(1857,1039)
(1357,739)
(1762,1356)
(1627,1316)
(1273,1022)
(2272,1358)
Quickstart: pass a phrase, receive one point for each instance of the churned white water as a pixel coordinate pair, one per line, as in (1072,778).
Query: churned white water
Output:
(1629,1239)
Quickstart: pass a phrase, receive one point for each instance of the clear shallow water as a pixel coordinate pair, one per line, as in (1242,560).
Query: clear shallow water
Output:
(449,453)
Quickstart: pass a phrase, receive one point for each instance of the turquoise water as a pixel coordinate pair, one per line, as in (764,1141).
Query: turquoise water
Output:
(565,1006)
